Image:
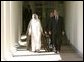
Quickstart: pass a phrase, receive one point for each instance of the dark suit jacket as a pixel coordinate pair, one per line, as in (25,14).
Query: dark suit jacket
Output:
(56,26)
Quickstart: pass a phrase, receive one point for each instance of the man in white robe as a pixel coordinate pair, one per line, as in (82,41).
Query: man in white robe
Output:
(35,30)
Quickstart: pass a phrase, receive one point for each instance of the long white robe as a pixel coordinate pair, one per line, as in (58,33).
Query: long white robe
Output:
(35,30)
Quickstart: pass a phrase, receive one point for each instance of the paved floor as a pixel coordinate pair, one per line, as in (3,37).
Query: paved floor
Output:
(66,54)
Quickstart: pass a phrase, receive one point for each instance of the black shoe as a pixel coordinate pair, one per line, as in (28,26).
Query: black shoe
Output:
(48,50)
(35,51)
(57,52)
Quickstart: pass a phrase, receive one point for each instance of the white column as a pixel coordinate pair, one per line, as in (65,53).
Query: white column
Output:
(15,23)
(5,21)
(10,27)
(2,30)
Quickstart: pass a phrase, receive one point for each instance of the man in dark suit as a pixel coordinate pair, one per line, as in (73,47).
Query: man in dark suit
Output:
(56,31)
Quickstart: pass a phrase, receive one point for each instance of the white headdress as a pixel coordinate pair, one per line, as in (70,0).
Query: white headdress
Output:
(34,16)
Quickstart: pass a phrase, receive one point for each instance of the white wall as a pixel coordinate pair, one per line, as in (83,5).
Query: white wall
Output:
(74,23)
(11,14)
(80,27)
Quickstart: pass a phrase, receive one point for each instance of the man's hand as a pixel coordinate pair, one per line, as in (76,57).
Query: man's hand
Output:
(45,32)
(63,33)
(50,32)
